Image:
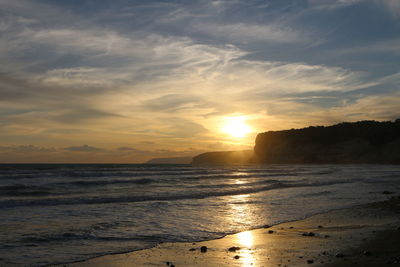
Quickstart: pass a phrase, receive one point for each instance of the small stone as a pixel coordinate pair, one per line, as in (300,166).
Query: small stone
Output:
(192,249)
(310,261)
(367,253)
(172,265)
(236,257)
(320,226)
(271,231)
(308,234)
(233,249)
(168,263)
(203,249)
(326,236)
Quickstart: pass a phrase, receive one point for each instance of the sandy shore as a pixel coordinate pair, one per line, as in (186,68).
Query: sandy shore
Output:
(367,235)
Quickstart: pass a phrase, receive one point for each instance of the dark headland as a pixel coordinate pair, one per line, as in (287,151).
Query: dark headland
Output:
(369,142)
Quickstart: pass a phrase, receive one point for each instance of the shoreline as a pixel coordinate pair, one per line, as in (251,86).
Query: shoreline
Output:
(342,237)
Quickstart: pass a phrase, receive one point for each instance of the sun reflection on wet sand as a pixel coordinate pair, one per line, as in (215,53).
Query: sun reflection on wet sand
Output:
(242,213)
(245,239)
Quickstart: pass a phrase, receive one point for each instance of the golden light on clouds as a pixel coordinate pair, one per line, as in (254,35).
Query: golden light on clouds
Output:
(236,127)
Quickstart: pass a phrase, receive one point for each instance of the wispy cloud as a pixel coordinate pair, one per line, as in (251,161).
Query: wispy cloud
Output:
(392,6)
(164,74)
(332,4)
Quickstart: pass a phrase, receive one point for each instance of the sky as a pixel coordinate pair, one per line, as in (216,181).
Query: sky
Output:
(125,81)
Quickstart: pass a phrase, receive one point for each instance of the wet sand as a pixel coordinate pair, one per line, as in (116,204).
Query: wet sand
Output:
(367,235)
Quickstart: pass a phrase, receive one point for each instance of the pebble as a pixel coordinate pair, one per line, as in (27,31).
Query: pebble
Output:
(233,249)
(203,249)
(308,234)
(192,249)
(236,257)
(270,231)
(310,261)
(367,253)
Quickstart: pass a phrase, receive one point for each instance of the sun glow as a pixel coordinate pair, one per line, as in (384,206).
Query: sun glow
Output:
(245,239)
(236,127)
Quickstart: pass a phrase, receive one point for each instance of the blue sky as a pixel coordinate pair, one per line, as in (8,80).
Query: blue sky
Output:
(125,81)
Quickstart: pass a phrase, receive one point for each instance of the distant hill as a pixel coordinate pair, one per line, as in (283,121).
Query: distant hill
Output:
(177,160)
(358,142)
(225,157)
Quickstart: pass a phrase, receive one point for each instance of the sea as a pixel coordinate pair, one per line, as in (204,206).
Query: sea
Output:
(61,213)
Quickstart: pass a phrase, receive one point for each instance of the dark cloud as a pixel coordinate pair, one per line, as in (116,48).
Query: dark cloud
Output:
(83,148)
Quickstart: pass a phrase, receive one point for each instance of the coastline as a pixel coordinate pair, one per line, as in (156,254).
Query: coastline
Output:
(367,235)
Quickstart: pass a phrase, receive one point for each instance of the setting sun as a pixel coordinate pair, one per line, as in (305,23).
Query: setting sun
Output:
(236,127)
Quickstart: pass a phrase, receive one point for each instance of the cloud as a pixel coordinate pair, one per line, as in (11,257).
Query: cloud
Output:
(242,33)
(392,6)
(83,148)
(332,4)
(171,102)
(83,115)
(26,149)
(127,149)
(182,128)
(382,47)
(164,74)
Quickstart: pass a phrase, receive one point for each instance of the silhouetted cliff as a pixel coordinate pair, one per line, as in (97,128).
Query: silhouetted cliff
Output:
(358,142)
(225,157)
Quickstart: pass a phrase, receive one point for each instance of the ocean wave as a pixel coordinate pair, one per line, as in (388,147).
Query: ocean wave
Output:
(24,190)
(158,197)
(107,182)
(65,237)
(107,174)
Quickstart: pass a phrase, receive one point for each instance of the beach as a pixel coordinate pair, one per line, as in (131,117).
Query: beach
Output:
(363,235)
